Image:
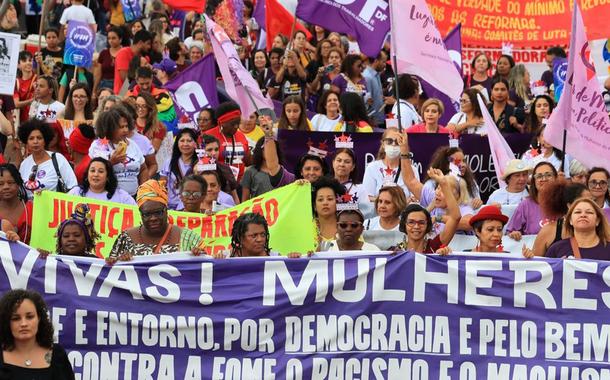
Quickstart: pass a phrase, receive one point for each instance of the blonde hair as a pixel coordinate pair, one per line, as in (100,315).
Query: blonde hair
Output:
(516,80)
(458,185)
(602,229)
(431,102)
(381,152)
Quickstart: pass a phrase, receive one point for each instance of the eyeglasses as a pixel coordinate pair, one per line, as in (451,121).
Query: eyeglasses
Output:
(601,184)
(541,176)
(389,141)
(262,235)
(191,194)
(79,96)
(154,213)
(141,106)
(353,225)
(413,223)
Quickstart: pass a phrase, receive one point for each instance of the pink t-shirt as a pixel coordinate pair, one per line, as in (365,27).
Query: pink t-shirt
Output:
(421,128)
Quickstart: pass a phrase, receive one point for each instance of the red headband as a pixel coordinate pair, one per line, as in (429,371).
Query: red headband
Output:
(229,116)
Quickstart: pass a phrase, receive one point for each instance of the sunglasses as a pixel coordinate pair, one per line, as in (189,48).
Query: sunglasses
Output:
(389,141)
(353,225)
(601,184)
(191,194)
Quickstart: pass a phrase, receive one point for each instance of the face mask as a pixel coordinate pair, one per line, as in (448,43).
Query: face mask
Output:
(392,151)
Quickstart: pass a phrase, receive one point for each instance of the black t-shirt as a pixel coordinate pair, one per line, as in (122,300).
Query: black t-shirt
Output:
(54,60)
(291,85)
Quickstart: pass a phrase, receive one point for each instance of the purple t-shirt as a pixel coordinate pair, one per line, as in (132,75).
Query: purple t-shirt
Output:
(563,248)
(527,218)
(607,213)
(349,86)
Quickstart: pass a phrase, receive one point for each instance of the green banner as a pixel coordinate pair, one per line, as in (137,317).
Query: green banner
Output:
(284,209)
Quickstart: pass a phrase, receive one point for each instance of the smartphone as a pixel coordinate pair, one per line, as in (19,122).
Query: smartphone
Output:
(328,69)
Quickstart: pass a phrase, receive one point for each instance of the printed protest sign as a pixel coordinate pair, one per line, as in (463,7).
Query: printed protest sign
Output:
(9,60)
(80,44)
(131,10)
(283,209)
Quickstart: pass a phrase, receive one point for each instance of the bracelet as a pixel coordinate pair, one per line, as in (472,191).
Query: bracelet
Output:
(407,156)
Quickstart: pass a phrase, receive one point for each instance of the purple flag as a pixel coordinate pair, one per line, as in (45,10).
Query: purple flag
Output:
(195,88)
(259,13)
(368,21)
(453,43)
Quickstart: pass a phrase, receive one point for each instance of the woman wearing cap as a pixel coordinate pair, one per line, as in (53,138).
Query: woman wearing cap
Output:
(389,204)
(487,225)
(527,218)
(165,70)
(416,222)
(516,177)
(349,232)
(155,235)
(587,233)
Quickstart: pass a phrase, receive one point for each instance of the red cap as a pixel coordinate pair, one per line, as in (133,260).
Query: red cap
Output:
(489,213)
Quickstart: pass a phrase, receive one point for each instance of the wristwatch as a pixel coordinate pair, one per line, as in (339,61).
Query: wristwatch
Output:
(407,155)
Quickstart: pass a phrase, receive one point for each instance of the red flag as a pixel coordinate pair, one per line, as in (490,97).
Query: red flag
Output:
(187,5)
(279,20)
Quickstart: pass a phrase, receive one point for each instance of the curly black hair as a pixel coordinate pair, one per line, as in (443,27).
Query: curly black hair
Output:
(32,125)
(107,122)
(321,183)
(9,303)
(240,226)
(12,169)
(112,182)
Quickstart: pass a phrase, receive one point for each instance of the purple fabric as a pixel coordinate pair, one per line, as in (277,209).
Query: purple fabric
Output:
(195,88)
(368,21)
(607,213)
(527,218)
(341,82)
(453,43)
(259,14)
(563,248)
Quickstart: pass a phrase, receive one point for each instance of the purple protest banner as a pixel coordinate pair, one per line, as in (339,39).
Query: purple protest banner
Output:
(195,88)
(400,316)
(560,69)
(367,20)
(453,43)
(80,44)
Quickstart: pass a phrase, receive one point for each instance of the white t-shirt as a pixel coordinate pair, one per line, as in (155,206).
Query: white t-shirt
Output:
(552,159)
(321,123)
(47,112)
(77,13)
(408,114)
(334,247)
(374,224)
(127,172)
(119,196)
(460,118)
(143,143)
(503,197)
(377,175)
(46,177)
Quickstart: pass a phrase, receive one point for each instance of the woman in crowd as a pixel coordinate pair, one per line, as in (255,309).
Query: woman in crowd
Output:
(103,70)
(318,65)
(555,201)
(389,204)
(250,128)
(101,183)
(328,118)
(520,95)
(136,26)
(25,85)
(260,62)
(196,51)
(408,90)
(79,109)
(507,118)
(289,80)
(15,208)
(42,169)
(542,151)
(293,115)
(351,78)
(45,106)
(107,103)
(280,41)
(479,77)
(578,172)
(503,66)
(215,199)
(598,185)
(349,232)
(112,128)
(147,122)
(228,184)
(80,140)
(319,34)
(250,236)
(322,81)
(127,110)
(193,190)
(355,118)
(206,120)
(269,73)
(344,170)
(431,111)
(516,176)
(487,225)
(165,70)
(180,165)
(386,169)
(301,47)
(527,218)
(416,222)
(324,200)
(311,168)
(28,350)
(587,233)
(335,40)
(438,206)
(470,118)
(541,109)
(155,235)
(267,171)
(76,236)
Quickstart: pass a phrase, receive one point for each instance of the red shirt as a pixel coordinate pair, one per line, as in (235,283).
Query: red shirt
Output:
(421,128)
(121,62)
(24,224)
(24,91)
(233,150)
(80,170)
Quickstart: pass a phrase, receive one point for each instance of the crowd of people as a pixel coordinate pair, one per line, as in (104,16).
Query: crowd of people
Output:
(113,133)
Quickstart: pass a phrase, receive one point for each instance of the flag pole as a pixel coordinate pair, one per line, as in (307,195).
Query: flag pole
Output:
(43,16)
(563,150)
(393,47)
(294,26)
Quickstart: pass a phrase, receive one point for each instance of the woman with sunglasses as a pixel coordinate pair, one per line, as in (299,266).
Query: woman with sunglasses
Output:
(470,118)
(386,169)
(350,225)
(15,208)
(155,235)
(416,222)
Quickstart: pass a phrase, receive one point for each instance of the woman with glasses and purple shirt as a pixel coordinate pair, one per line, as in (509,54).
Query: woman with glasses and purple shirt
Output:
(597,183)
